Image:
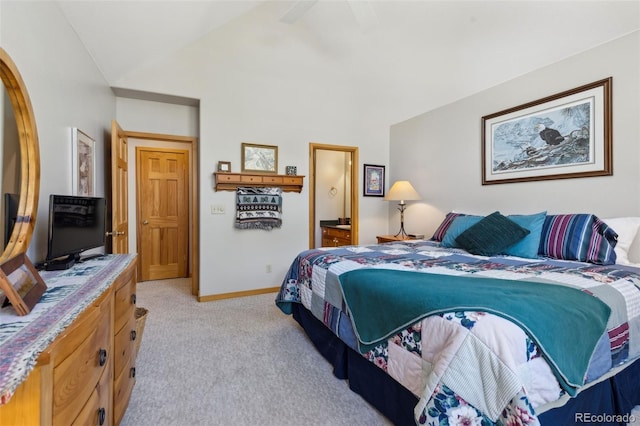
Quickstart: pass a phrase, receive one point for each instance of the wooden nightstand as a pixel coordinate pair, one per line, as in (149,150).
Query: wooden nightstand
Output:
(390,238)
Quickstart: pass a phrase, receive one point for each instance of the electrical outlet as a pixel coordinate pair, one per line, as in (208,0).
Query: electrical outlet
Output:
(268,268)
(217,209)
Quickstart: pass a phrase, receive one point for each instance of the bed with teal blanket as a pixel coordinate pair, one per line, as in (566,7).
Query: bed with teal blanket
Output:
(482,340)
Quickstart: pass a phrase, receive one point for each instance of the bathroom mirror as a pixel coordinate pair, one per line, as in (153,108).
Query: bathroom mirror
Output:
(22,160)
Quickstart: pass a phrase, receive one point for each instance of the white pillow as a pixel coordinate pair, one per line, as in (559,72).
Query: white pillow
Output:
(627,230)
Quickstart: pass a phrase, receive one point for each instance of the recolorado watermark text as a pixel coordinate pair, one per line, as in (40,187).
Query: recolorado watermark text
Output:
(604,418)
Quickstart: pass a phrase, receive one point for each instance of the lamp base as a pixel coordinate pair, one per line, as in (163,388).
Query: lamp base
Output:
(402,234)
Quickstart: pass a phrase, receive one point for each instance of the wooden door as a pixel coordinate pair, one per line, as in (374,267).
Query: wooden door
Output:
(162,212)
(119,190)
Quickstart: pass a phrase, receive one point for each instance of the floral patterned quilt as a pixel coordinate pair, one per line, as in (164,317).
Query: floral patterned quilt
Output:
(468,367)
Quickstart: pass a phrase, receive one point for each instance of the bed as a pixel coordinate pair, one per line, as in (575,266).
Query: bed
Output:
(542,330)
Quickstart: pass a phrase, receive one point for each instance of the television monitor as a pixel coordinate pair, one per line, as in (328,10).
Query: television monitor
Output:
(76,224)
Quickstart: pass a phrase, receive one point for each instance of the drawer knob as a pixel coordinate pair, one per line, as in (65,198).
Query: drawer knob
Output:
(133,335)
(102,357)
(132,372)
(133,299)
(102,416)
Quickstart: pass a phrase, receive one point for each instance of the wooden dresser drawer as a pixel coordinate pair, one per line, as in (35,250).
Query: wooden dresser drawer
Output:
(339,233)
(96,411)
(80,359)
(122,387)
(125,305)
(334,237)
(124,345)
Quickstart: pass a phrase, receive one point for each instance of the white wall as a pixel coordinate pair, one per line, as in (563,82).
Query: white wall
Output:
(157,117)
(256,84)
(66,90)
(439,151)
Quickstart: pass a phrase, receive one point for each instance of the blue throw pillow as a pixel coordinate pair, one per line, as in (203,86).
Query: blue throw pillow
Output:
(491,235)
(457,227)
(528,246)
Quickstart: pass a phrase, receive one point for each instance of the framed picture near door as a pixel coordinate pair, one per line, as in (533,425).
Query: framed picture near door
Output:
(83,163)
(373,181)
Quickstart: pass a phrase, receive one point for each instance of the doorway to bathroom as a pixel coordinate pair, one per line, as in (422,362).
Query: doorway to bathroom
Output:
(333,193)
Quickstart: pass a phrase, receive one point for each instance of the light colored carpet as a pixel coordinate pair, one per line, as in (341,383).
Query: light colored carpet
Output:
(232,362)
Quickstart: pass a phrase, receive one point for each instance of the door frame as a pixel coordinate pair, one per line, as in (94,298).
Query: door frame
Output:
(194,223)
(313,148)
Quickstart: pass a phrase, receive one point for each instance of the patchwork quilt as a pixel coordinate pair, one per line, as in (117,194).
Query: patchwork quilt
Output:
(472,359)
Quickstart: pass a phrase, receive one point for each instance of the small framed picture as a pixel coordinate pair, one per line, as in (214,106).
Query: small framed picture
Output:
(21,284)
(259,158)
(373,180)
(224,166)
(292,170)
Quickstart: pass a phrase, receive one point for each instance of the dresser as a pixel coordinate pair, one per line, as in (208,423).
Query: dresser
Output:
(82,337)
(334,236)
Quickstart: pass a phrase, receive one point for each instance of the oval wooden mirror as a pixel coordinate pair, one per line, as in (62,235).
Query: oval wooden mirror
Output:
(29,164)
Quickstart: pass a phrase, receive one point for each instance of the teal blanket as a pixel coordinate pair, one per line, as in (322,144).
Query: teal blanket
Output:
(382,302)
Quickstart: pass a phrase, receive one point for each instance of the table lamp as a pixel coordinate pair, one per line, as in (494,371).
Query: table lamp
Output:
(402,190)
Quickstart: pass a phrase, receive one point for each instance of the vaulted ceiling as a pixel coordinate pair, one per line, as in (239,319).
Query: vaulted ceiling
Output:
(398,44)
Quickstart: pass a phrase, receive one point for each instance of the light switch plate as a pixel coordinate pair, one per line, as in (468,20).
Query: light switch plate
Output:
(217,209)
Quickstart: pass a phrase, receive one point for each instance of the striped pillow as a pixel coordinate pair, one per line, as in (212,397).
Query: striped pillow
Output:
(444,226)
(581,237)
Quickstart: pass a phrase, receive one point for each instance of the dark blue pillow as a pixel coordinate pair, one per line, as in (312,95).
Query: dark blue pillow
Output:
(492,235)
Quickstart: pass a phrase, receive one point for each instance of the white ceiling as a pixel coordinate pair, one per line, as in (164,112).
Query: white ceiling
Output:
(400,45)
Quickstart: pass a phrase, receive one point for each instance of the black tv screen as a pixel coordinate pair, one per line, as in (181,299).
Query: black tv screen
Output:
(76,224)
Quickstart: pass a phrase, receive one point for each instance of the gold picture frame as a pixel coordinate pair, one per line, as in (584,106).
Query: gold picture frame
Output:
(259,158)
(21,284)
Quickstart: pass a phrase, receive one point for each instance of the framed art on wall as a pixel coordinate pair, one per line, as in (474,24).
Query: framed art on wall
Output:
(259,158)
(566,135)
(83,163)
(224,166)
(373,181)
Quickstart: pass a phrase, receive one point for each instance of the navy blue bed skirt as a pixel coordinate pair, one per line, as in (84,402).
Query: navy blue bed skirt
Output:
(615,396)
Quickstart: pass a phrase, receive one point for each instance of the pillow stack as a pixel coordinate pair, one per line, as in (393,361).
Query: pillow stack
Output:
(581,237)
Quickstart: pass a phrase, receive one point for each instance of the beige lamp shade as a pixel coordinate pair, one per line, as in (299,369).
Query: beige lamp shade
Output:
(402,190)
